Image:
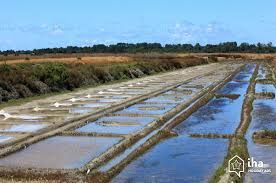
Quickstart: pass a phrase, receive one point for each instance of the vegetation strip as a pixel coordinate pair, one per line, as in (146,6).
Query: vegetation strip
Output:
(91,134)
(265,95)
(224,47)
(230,96)
(33,79)
(211,135)
(238,144)
(265,137)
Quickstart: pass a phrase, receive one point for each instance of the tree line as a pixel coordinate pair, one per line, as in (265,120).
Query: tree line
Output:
(226,47)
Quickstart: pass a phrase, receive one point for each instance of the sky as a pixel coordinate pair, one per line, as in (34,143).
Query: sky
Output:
(31,24)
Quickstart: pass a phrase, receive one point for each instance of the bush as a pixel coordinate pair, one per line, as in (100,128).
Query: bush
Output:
(28,79)
(53,74)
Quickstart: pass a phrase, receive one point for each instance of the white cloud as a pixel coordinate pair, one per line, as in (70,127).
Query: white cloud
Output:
(56,31)
(187,32)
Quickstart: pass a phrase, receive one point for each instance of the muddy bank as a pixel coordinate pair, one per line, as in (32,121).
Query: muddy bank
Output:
(211,135)
(265,137)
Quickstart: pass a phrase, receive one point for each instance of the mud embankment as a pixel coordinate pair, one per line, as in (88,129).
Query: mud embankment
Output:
(265,137)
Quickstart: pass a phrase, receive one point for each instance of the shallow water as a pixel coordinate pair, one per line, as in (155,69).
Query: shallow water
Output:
(80,110)
(109,100)
(22,128)
(265,88)
(262,72)
(246,73)
(263,117)
(167,99)
(120,129)
(242,77)
(178,159)
(234,88)
(95,105)
(187,159)
(221,116)
(59,152)
(157,109)
(121,121)
(4,138)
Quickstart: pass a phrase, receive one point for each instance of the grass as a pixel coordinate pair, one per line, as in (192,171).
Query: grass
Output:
(230,96)
(210,135)
(238,146)
(265,137)
(20,101)
(270,134)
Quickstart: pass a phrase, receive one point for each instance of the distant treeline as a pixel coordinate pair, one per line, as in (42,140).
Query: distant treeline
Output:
(226,47)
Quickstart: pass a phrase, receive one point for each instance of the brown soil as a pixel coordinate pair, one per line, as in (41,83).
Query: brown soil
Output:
(122,58)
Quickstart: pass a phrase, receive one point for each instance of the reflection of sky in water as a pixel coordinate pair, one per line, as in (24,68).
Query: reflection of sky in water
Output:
(140,109)
(262,73)
(220,116)
(263,117)
(80,110)
(121,127)
(167,99)
(122,119)
(59,152)
(234,88)
(24,128)
(4,138)
(264,88)
(95,127)
(246,73)
(178,159)
(94,105)
(242,77)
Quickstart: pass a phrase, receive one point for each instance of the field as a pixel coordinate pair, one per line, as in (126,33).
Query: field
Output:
(136,117)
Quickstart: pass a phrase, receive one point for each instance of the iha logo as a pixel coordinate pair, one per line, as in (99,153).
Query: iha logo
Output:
(258,167)
(254,164)
(236,165)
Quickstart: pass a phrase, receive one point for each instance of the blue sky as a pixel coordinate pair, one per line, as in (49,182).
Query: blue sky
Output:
(33,24)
